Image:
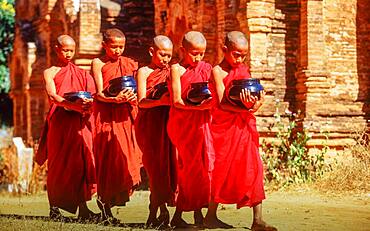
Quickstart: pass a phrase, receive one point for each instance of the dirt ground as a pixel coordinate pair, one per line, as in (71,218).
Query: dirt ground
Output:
(301,209)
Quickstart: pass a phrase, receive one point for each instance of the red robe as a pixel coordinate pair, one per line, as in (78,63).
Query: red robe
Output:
(66,142)
(237,177)
(118,158)
(189,130)
(159,154)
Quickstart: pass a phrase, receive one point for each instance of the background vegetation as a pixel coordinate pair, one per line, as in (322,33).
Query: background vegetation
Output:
(7,20)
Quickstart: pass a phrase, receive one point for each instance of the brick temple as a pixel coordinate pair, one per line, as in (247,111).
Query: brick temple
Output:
(312,56)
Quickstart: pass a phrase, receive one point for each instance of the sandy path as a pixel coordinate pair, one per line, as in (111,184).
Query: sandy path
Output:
(304,210)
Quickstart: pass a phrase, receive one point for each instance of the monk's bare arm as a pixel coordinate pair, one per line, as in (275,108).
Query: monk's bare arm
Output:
(144,102)
(96,66)
(49,75)
(218,75)
(176,87)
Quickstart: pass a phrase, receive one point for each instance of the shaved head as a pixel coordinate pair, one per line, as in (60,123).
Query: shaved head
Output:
(236,38)
(162,42)
(63,40)
(194,38)
(109,34)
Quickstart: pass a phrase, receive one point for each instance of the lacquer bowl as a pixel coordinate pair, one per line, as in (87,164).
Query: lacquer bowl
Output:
(198,92)
(116,85)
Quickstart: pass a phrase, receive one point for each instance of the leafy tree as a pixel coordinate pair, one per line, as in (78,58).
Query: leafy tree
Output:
(7,13)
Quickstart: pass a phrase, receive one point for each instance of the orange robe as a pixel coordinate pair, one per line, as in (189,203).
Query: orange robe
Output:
(237,177)
(67,144)
(159,154)
(190,131)
(118,158)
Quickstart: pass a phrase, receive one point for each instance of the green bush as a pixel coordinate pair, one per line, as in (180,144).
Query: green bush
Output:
(287,159)
(7,20)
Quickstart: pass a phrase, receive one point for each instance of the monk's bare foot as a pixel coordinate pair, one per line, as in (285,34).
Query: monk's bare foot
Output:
(215,223)
(55,214)
(262,226)
(89,217)
(164,218)
(111,221)
(180,223)
(152,221)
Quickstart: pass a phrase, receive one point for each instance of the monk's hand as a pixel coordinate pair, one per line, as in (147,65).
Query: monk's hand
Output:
(247,99)
(125,96)
(259,102)
(87,106)
(132,99)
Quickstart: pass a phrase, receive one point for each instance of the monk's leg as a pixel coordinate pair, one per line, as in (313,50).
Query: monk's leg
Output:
(106,212)
(152,220)
(177,221)
(85,214)
(105,209)
(211,220)
(198,218)
(258,223)
(164,215)
(211,216)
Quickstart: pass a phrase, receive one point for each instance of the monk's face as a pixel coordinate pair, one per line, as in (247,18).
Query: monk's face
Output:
(236,54)
(66,51)
(194,53)
(114,47)
(161,56)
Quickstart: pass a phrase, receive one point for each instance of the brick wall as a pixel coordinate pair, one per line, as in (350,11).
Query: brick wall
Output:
(310,55)
(136,20)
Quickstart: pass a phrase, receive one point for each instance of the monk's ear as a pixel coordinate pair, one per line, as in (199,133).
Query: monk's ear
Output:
(224,49)
(56,48)
(151,51)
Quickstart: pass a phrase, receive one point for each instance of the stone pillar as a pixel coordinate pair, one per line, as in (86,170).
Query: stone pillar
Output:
(259,15)
(89,37)
(312,76)
(267,56)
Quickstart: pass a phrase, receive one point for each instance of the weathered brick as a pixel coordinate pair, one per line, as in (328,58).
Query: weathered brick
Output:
(311,55)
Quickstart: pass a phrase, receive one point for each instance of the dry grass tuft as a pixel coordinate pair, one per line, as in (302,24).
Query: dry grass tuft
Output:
(351,173)
(38,180)
(8,165)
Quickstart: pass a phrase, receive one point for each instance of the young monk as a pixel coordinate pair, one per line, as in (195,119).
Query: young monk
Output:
(188,128)
(159,154)
(66,141)
(118,159)
(237,177)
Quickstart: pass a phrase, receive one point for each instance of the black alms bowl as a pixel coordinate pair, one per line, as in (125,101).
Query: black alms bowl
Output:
(251,84)
(73,96)
(158,91)
(116,85)
(198,92)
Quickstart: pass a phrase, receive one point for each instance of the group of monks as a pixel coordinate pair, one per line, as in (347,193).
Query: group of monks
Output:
(195,155)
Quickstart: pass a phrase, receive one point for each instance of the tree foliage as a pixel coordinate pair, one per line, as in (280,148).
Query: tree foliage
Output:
(7,20)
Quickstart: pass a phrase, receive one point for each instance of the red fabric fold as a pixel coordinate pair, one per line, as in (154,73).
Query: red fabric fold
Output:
(68,145)
(118,158)
(159,154)
(237,177)
(189,130)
